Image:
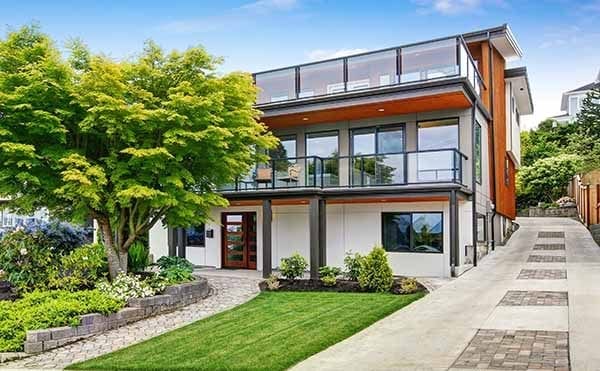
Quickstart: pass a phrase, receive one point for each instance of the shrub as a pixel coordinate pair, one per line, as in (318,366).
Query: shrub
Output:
(352,266)
(157,282)
(409,285)
(137,260)
(166,262)
(293,267)
(60,236)
(375,271)
(272,282)
(45,309)
(81,269)
(329,275)
(125,287)
(26,259)
(175,274)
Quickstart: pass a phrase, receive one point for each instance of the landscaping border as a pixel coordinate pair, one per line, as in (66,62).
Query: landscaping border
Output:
(174,297)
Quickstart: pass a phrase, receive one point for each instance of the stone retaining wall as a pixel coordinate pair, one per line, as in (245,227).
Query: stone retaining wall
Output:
(173,298)
(565,212)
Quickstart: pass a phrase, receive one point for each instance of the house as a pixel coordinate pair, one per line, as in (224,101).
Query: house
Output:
(9,220)
(572,101)
(414,148)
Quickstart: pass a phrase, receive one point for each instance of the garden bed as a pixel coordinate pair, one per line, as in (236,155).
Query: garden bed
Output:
(340,286)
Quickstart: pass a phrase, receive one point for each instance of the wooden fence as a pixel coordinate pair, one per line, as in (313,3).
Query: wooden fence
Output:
(585,189)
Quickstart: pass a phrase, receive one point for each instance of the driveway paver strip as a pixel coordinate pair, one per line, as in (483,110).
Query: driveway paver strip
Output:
(535,298)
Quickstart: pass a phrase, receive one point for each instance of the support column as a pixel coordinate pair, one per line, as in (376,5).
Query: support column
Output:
(267,239)
(317,226)
(172,241)
(181,242)
(454,240)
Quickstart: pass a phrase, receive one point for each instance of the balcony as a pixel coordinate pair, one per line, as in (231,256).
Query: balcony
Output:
(392,169)
(407,65)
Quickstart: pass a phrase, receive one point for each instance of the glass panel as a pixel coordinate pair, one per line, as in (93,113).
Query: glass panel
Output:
(235,257)
(464,59)
(234,228)
(378,170)
(427,229)
(322,78)
(478,152)
(429,61)
(374,70)
(363,141)
(235,246)
(481,227)
(438,134)
(396,232)
(390,140)
(234,218)
(331,172)
(435,166)
(322,144)
(195,236)
(276,86)
(285,149)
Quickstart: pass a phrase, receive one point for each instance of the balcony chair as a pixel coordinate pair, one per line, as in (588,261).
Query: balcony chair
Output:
(264,176)
(293,174)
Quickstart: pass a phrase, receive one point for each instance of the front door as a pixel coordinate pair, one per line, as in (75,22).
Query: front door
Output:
(239,240)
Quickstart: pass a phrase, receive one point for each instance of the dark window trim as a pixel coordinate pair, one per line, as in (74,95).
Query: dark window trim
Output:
(306,135)
(485,227)
(411,238)
(203,225)
(479,166)
(457,118)
(376,128)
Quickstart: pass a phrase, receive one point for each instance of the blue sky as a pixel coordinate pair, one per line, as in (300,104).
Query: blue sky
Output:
(560,38)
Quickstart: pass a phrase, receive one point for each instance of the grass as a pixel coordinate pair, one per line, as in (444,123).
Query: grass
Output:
(273,331)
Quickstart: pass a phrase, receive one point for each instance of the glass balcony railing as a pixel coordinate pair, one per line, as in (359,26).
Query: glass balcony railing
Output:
(432,60)
(435,166)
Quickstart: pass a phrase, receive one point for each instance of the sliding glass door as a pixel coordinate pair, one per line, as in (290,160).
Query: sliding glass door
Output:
(377,155)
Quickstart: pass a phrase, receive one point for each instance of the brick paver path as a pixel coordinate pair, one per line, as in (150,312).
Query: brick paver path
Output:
(227,293)
(516,350)
(545,298)
(546,259)
(549,246)
(546,234)
(542,274)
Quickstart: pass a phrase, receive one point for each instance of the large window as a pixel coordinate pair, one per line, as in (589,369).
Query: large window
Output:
(323,170)
(378,155)
(478,152)
(195,236)
(286,148)
(378,140)
(413,232)
(438,134)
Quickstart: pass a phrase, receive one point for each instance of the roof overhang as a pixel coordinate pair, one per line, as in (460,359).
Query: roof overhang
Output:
(521,89)
(368,105)
(501,38)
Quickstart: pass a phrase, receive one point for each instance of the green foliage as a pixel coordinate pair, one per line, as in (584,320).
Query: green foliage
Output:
(375,271)
(138,258)
(39,310)
(409,285)
(293,267)
(548,140)
(175,274)
(352,265)
(586,142)
(546,180)
(81,269)
(272,282)
(125,287)
(26,259)
(166,262)
(328,275)
(129,143)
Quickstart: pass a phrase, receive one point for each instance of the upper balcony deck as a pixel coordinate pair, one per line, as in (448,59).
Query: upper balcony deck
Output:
(409,65)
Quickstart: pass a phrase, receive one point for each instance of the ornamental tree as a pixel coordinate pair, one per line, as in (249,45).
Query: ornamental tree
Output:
(129,143)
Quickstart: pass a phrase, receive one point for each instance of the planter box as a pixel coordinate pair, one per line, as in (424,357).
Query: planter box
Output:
(174,298)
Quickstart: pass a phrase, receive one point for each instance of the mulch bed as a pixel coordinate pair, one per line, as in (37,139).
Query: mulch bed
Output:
(340,286)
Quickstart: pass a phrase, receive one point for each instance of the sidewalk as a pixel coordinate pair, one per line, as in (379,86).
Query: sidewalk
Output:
(524,307)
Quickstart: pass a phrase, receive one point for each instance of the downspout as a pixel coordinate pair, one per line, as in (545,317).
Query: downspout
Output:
(491,127)
(474,185)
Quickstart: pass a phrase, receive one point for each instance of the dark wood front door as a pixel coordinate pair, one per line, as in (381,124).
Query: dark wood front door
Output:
(239,240)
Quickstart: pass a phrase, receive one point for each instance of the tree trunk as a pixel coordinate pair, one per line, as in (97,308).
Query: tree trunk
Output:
(117,259)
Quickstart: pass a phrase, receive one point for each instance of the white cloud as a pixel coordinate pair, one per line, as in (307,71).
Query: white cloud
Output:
(232,18)
(320,54)
(454,7)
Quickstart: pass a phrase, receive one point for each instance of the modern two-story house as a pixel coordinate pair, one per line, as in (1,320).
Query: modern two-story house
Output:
(414,148)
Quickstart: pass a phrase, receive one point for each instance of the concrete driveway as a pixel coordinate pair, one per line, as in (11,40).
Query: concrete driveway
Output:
(532,304)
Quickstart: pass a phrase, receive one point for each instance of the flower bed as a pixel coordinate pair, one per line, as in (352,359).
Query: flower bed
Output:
(340,286)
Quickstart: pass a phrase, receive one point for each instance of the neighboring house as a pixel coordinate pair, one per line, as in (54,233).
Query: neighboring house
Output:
(9,220)
(414,148)
(572,101)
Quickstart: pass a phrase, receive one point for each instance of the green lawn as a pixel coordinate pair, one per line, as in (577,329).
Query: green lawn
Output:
(271,332)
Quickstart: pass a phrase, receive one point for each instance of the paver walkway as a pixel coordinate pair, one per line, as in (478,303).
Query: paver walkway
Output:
(507,314)
(227,292)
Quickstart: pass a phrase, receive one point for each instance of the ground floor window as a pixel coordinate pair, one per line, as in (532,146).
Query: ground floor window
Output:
(481,228)
(413,232)
(195,236)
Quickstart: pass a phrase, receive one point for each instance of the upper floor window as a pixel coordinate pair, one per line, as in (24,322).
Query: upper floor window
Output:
(285,149)
(438,134)
(378,140)
(478,160)
(323,144)
(574,105)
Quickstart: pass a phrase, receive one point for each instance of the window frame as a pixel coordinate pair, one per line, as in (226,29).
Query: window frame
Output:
(419,122)
(286,137)
(411,238)
(478,143)
(307,134)
(485,227)
(203,245)
(376,129)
